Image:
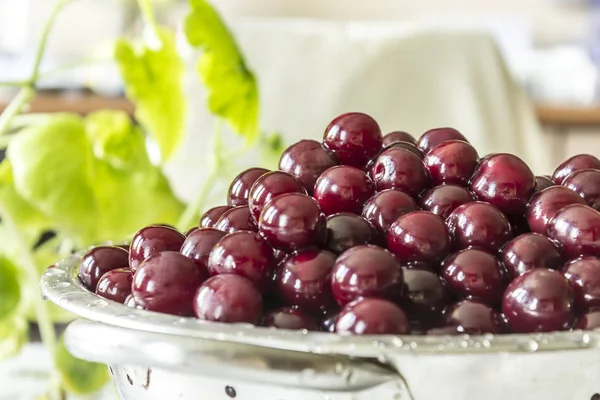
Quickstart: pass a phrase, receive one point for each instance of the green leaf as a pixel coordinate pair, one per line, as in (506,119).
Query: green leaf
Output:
(79,376)
(10,289)
(232,88)
(153,81)
(13,334)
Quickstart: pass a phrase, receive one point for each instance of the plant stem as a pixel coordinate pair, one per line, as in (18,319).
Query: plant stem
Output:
(44,321)
(16,105)
(75,64)
(14,83)
(148,15)
(191,213)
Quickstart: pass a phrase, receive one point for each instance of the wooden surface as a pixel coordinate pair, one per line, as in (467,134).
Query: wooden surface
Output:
(84,103)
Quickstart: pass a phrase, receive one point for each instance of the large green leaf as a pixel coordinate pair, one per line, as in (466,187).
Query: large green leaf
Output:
(153,81)
(79,376)
(232,88)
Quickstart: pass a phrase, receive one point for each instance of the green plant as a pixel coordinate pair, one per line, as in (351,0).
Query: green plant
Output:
(89,179)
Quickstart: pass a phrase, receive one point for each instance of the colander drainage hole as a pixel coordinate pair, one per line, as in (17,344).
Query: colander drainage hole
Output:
(230,391)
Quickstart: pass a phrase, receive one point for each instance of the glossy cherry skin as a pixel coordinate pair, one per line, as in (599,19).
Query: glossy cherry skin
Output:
(398,136)
(504,181)
(545,204)
(573,164)
(328,320)
(406,146)
(290,318)
(198,244)
(397,168)
(479,224)
(303,280)
(577,229)
(152,240)
(584,276)
(271,185)
(345,230)
(434,137)
(166,282)
(529,251)
(475,274)
(371,316)
(473,317)
(366,271)
(586,183)
(452,162)
(236,219)
(279,256)
(343,189)
(306,161)
(442,200)
(293,221)
(243,253)
(540,300)
(228,298)
(115,285)
(419,236)
(99,261)
(385,207)
(425,296)
(543,182)
(130,302)
(588,321)
(354,137)
(209,219)
(239,190)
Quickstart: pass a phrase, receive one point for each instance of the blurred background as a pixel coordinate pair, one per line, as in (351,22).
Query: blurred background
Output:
(519,76)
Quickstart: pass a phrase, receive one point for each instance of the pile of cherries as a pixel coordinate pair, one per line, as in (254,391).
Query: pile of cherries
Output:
(373,234)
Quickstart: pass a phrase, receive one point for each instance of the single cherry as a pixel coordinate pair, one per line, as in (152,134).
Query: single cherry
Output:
(545,204)
(371,316)
(366,271)
(584,276)
(577,229)
(236,219)
(586,183)
(419,236)
(434,137)
(540,300)
(425,296)
(573,164)
(115,285)
(385,207)
(452,162)
(239,190)
(397,168)
(442,200)
(473,318)
(529,251)
(542,182)
(290,318)
(99,261)
(343,189)
(153,240)
(402,145)
(209,219)
(198,244)
(268,186)
(398,136)
(345,230)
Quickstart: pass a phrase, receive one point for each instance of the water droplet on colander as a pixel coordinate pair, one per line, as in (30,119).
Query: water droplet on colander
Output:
(97,303)
(486,343)
(586,339)
(338,368)
(531,345)
(397,342)
(376,343)
(382,359)
(304,331)
(413,345)
(464,344)
(62,285)
(44,297)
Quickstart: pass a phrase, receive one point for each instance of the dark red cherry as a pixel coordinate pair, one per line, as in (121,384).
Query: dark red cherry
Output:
(279,256)
(304,280)
(306,161)
(99,261)
(293,221)
(442,200)
(588,321)
(475,274)
(198,244)
(573,164)
(398,136)
(236,219)
(577,229)
(586,183)
(419,236)
(397,168)
(545,204)
(425,296)
(328,320)
(289,318)
(153,240)
(504,181)
(345,230)
(243,253)
(343,189)
(271,185)
(354,137)
(209,219)
(584,276)
(434,137)
(130,302)
(115,285)
(366,271)
(386,207)
(473,318)
(371,316)
(166,282)
(540,300)
(452,162)
(402,145)
(542,182)
(479,224)
(228,298)
(529,251)
(239,190)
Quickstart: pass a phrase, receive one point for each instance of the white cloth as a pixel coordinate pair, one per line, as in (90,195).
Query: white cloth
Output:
(407,77)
